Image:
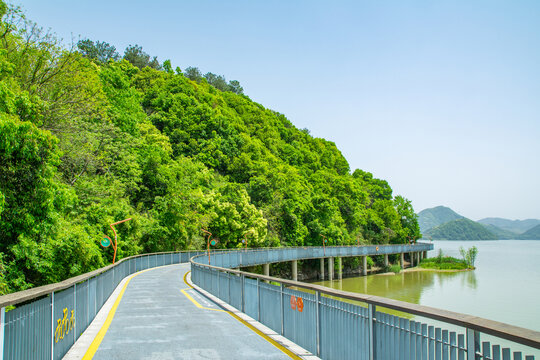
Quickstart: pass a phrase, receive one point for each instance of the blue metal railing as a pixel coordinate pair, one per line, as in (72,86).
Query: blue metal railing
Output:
(332,327)
(48,320)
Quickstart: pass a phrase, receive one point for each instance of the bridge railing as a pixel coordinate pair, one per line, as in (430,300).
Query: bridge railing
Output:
(336,324)
(47,320)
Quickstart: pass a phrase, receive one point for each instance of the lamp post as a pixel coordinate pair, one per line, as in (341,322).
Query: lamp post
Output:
(245,241)
(324,244)
(107,240)
(207,242)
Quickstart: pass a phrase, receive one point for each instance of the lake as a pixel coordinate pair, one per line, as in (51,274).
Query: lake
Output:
(504,287)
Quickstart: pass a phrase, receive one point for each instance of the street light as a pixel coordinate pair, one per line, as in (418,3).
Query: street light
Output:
(209,242)
(107,240)
(323,244)
(245,241)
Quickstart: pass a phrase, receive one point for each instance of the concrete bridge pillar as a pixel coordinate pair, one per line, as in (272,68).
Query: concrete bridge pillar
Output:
(340,268)
(295,270)
(322,268)
(266,271)
(385,259)
(411,255)
(402,260)
(330,268)
(364,265)
(425,255)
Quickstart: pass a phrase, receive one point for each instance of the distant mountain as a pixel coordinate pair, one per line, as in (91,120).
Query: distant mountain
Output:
(531,234)
(501,234)
(460,229)
(429,218)
(517,226)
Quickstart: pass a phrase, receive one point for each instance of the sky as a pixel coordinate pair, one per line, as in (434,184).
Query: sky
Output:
(439,98)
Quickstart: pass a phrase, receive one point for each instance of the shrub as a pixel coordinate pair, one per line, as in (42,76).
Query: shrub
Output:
(469,256)
(393,268)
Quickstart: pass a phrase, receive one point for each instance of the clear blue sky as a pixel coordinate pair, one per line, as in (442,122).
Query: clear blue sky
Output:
(440,98)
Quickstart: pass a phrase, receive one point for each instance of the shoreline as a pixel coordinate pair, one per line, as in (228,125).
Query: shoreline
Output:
(418,269)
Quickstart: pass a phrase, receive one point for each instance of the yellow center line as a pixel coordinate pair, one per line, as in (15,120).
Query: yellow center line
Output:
(196,303)
(251,327)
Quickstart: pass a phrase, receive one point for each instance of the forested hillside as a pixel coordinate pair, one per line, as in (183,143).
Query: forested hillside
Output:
(88,138)
(461,229)
(429,218)
(531,234)
(515,226)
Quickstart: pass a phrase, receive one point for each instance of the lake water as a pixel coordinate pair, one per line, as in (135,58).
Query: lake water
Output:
(504,287)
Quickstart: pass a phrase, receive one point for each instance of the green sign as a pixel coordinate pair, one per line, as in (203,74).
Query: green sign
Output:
(105,242)
(213,242)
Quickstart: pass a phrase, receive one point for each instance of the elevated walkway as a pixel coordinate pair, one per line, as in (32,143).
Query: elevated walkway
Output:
(156,314)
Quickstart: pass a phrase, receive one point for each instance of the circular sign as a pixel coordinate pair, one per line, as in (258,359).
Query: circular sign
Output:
(213,242)
(293,302)
(325,241)
(300,304)
(105,242)
(243,241)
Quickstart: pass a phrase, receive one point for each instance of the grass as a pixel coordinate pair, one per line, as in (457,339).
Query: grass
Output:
(394,268)
(445,263)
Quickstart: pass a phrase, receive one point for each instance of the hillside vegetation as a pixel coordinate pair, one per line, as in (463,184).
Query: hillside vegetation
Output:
(89,138)
(461,229)
(429,218)
(531,234)
(514,226)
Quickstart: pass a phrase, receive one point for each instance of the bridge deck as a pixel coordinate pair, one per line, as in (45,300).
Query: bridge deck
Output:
(157,317)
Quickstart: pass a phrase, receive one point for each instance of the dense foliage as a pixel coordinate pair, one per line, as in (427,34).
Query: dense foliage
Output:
(88,138)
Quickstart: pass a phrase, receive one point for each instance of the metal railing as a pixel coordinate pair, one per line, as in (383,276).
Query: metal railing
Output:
(325,321)
(49,319)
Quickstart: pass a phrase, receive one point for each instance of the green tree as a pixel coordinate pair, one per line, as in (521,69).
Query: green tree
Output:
(137,57)
(193,73)
(99,51)
(234,86)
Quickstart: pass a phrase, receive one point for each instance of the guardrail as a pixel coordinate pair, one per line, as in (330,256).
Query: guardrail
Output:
(326,323)
(49,319)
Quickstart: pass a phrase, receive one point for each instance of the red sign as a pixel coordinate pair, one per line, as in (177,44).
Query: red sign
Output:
(300,304)
(293,302)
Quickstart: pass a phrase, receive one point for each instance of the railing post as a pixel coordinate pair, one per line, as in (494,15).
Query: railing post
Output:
(2,322)
(473,344)
(258,302)
(52,325)
(218,283)
(281,310)
(318,321)
(75,310)
(243,284)
(372,340)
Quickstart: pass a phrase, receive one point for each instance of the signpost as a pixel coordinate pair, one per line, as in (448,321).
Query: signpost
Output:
(106,241)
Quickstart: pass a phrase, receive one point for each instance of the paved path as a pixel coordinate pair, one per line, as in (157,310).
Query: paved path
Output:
(155,319)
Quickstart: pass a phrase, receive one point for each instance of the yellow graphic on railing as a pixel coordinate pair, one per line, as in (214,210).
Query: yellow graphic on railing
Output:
(64,325)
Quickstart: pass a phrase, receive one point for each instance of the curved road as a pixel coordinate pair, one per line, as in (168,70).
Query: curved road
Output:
(160,317)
